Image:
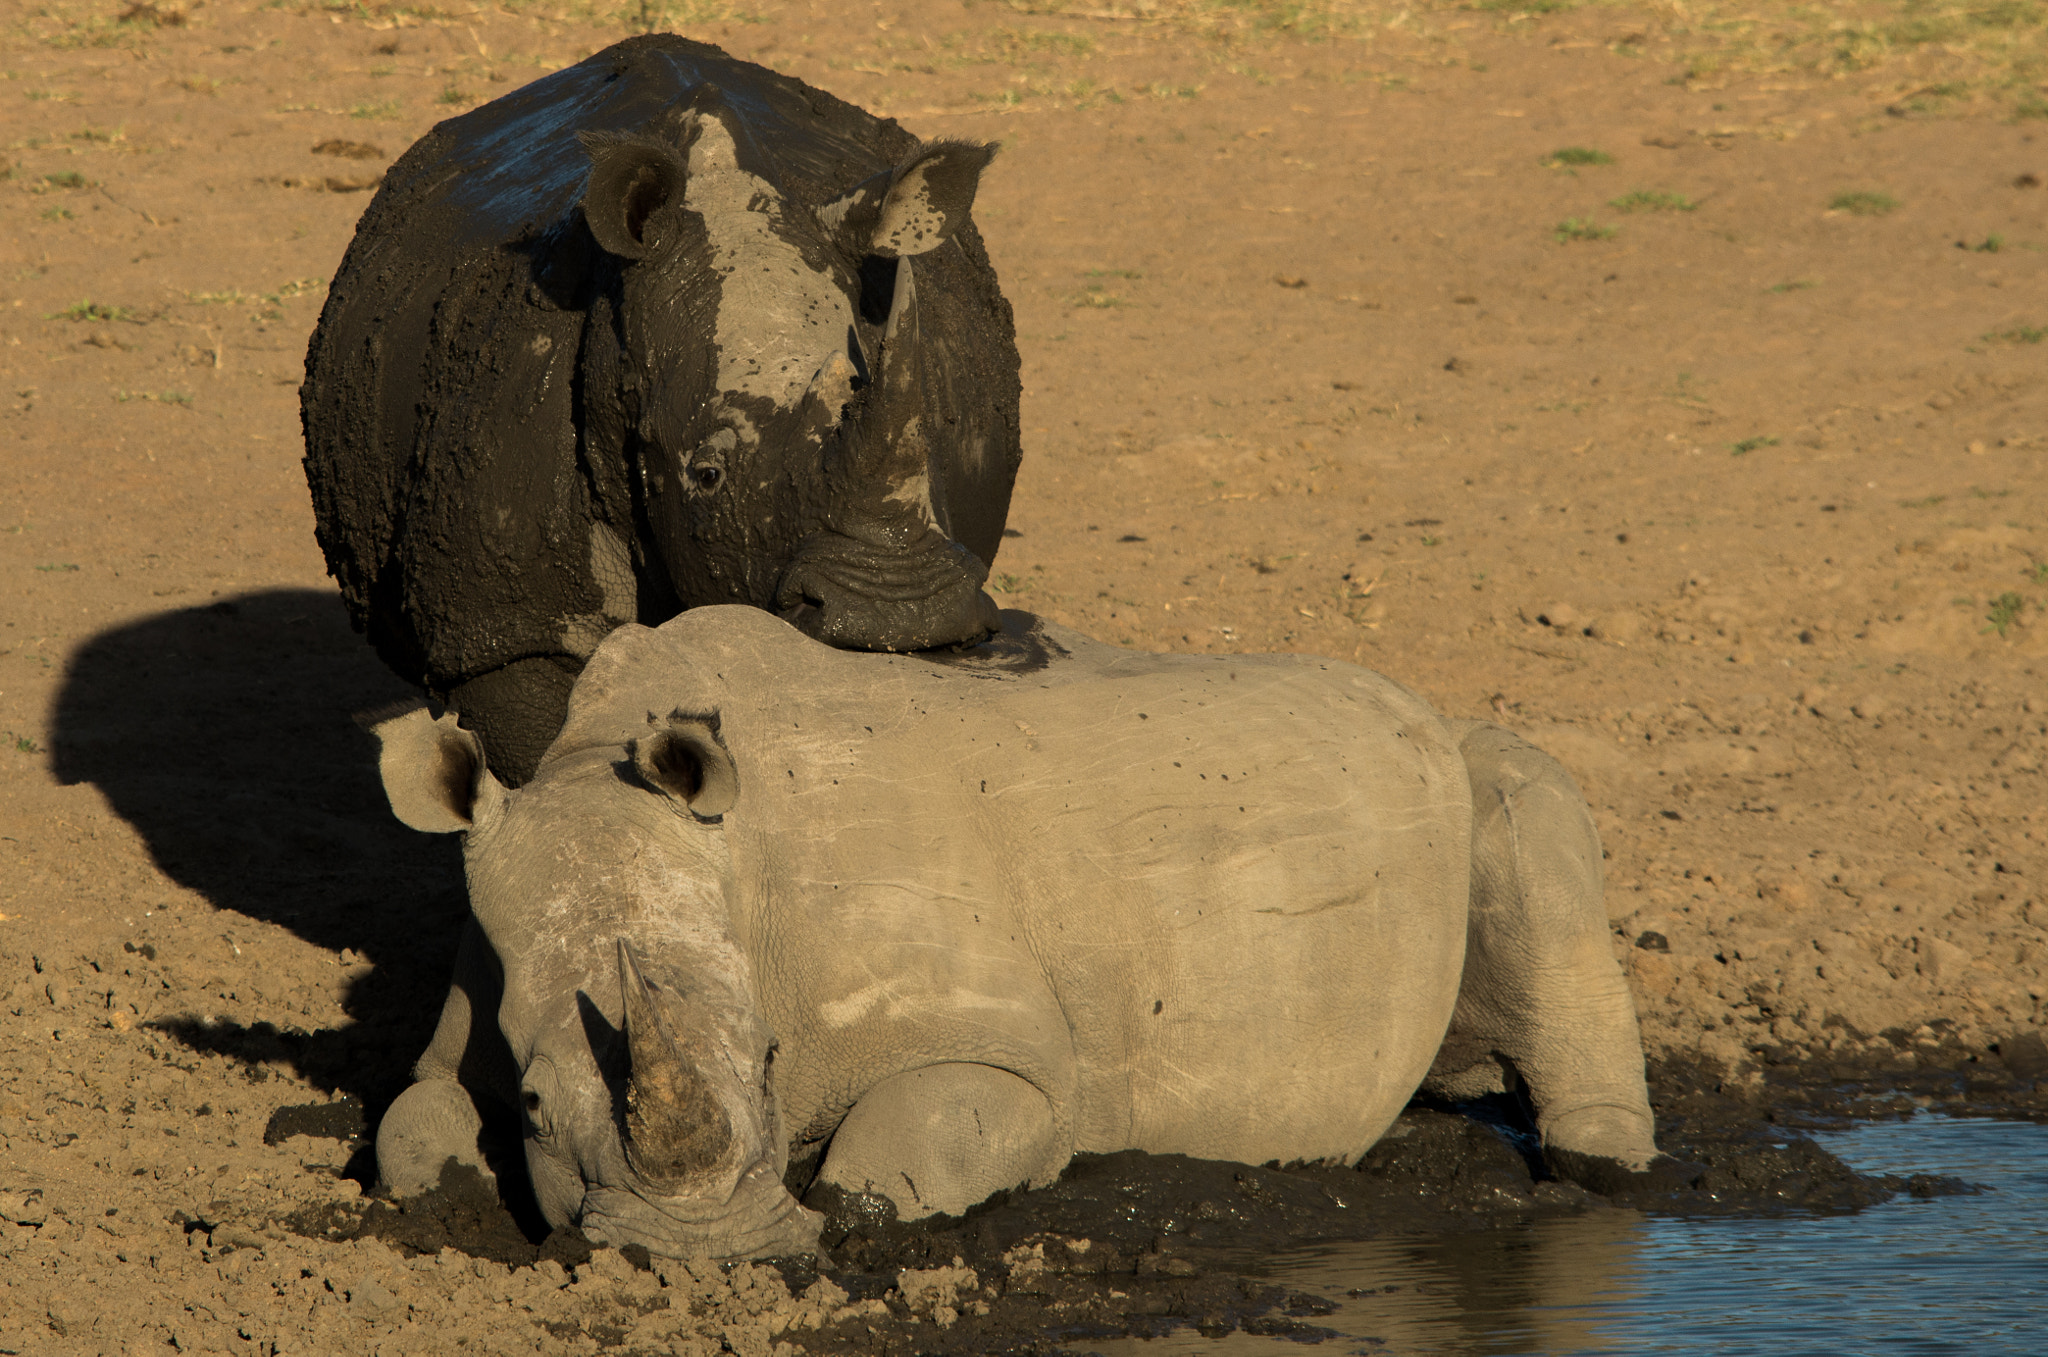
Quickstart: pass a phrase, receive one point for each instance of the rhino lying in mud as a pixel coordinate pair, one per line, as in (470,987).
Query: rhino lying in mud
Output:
(771,914)
(659,330)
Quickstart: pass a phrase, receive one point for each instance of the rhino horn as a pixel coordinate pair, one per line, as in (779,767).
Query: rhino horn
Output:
(676,1128)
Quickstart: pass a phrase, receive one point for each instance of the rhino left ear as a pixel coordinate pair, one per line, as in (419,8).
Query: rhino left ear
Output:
(685,759)
(631,179)
(433,769)
(916,207)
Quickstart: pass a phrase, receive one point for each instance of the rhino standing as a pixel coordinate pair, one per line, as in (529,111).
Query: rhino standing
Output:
(771,913)
(660,330)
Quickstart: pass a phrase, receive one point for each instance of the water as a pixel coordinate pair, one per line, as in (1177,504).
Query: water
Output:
(1962,1274)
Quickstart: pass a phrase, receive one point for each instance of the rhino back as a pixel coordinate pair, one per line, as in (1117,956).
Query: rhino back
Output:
(1212,905)
(471,501)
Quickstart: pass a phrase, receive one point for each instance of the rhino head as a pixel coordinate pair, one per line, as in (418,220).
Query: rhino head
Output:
(646,1067)
(773,378)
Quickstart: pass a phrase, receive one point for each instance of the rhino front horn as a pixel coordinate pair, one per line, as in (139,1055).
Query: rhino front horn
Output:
(675,1128)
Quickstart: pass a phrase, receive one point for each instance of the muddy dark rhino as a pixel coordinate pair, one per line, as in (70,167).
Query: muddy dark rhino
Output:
(663,329)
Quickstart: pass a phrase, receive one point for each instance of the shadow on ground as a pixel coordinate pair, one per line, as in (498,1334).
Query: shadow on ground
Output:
(223,734)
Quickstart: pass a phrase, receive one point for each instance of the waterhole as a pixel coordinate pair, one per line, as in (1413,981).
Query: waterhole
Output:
(1961,1274)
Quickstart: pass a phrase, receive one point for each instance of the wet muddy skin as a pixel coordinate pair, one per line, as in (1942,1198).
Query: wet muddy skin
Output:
(1132,1244)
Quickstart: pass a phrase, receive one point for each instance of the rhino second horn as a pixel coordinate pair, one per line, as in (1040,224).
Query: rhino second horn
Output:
(893,448)
(675,1128)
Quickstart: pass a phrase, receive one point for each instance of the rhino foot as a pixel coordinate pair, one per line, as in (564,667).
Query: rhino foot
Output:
(1619,1178)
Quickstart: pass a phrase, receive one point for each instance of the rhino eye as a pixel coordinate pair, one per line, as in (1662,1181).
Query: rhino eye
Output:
(536,1114)
(706,477)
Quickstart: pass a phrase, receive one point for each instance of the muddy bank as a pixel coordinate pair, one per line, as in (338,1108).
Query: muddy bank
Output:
(1132,1244)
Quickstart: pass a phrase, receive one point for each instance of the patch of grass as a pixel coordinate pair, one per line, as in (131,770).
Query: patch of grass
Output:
(1927,503)
(1991,244)
(1096,298)
(1651,200)
(66,179)
(1751,445)
(56,214)
(1863,203)
(1580,228)
(200,84)
(455,95)
(1005,583)
(382,109)
(57,568)
(161,397)
(1520,6)
(2005,610)
(24,745)
(1795,285)
(2019,334)
(90,311)
(2038,572)
(1113,273)
(1577,155)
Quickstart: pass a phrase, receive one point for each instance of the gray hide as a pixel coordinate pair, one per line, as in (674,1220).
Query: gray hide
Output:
(938,926)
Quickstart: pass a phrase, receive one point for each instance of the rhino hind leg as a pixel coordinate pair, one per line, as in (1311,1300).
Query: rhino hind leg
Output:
(942,1138)
(517,711)
(1542,999)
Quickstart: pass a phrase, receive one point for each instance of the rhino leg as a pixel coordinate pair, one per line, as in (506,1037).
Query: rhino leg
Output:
(1542,997)
(437,1118)
(517,711)
(943,1138)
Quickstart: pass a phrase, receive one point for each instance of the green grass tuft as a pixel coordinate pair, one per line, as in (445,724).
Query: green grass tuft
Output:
(1863,203)
(90,311)
(1751,445)
(1577,155)
(1651,200)
(2005,610)
(1580,228)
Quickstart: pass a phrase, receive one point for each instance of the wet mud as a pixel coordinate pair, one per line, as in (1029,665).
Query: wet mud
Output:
(1137,1245)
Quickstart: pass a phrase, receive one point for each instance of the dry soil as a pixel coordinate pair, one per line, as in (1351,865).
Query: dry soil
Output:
(1690,423)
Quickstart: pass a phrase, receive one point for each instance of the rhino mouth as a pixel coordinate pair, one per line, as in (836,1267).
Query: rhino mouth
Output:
(760,1220)
(860,596)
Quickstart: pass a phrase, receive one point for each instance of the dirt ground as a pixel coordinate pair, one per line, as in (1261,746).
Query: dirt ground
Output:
(1685,412)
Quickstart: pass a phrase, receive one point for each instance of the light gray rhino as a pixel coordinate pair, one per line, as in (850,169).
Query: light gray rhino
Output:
(771,913)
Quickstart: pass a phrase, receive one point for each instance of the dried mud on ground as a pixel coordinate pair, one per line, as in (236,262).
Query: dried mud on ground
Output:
(1711,462)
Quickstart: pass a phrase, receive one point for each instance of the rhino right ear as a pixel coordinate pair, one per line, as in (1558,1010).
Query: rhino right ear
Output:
(631,180)
(433,770)
(685,759)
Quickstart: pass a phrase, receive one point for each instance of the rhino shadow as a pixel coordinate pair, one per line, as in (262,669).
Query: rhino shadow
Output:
(222,733)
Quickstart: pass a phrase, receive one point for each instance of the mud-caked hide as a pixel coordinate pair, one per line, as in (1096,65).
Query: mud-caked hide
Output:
(661,330)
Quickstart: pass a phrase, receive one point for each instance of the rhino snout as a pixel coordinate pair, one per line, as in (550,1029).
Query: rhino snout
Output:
(760,1220)
(860,596)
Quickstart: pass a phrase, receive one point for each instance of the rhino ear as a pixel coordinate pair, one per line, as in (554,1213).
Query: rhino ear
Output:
(433,769)
(929,197)
(631,179)
(685,759)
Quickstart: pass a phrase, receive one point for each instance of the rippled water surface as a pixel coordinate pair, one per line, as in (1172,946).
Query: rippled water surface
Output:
(1962,1274)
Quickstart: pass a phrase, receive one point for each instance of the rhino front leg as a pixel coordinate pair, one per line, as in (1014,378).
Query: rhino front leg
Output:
(436,1119)
(1542,996)
(943,1138)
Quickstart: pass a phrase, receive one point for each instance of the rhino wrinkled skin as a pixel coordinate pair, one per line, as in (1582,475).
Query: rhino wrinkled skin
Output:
(771,913)
(660,330)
